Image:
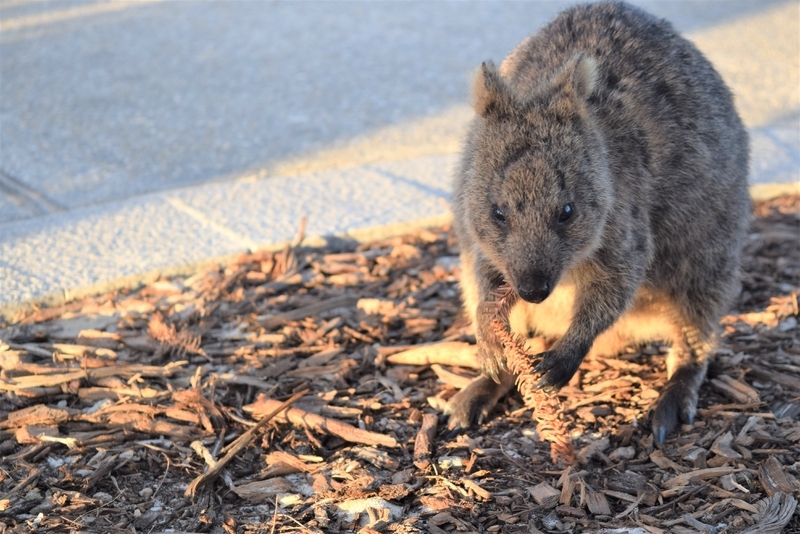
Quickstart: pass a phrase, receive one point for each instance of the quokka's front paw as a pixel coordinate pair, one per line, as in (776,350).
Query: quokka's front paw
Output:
(558,367)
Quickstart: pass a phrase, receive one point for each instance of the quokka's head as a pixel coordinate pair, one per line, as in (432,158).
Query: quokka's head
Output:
(535,188)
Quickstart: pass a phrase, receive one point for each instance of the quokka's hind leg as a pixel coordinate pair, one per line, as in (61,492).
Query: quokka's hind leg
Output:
(687,362)
(472,405)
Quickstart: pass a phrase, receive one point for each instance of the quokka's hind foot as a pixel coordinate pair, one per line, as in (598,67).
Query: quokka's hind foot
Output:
(677,403)
(472,405)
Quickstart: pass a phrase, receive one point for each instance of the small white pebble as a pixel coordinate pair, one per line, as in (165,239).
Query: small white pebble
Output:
(622,453)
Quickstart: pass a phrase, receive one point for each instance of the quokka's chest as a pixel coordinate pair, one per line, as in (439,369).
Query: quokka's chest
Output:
(550,318)
(648,318)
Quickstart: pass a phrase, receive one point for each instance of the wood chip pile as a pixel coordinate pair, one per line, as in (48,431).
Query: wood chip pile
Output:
(302,390)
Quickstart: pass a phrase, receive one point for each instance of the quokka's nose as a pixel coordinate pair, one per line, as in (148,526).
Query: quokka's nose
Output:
(535,292)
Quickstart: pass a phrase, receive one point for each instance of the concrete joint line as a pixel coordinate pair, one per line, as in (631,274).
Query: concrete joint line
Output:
(427,189)
(68,14)
(239,239)
(780,143)
(27,198)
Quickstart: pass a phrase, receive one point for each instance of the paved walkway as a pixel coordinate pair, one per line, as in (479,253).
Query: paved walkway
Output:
(145,137)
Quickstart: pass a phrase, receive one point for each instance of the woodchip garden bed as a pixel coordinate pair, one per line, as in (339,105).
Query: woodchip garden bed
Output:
(159,408)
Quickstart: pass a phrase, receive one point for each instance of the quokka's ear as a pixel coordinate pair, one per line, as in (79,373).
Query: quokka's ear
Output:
(489,91)
(579,75)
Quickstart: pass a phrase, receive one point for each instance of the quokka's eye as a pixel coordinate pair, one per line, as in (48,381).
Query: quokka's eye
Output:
(498,216)
(567,212)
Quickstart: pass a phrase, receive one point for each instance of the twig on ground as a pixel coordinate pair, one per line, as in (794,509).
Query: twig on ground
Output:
(238,445)
(325,425)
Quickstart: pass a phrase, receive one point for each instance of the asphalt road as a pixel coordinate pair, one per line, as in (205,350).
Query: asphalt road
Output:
(142,137)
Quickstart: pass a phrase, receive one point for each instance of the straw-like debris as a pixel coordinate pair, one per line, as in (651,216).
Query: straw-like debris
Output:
(111,406)
(547,410)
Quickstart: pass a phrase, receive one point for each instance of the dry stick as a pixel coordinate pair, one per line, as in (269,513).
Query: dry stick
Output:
(24,483)
(282,463)
(326,425)
(455,353)
(630,508)
(42,381)
(700,474)
(240,443)
(782,379)
(452,379)
(547,409)
(342,301)
(161,482)
(423,444)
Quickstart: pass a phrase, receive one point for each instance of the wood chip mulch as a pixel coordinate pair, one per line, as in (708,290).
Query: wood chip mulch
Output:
(302,391)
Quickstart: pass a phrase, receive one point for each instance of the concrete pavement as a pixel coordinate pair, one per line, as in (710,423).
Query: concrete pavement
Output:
(147,137)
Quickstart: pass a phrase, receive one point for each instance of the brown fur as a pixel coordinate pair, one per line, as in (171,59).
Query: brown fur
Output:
(609,111)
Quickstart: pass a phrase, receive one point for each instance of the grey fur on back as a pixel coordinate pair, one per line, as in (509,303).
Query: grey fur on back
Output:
(609,110)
